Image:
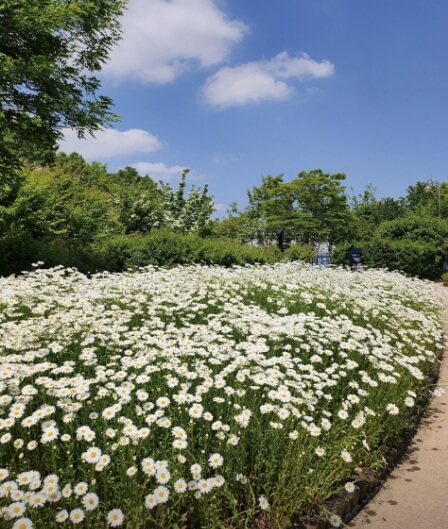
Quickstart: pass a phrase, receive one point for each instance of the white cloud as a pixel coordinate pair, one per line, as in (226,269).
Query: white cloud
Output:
(244,84)
(109,142)
(262,81)
(163,38)
(301,67)
(158,171)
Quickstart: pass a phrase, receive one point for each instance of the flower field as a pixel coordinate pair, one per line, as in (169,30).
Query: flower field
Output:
(203,397)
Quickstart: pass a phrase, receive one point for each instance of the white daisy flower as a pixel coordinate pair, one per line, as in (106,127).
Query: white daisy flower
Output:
(392,409)
(77,516)
(346,456)
(162,494)
(90,501)
(263,503)
(61,516)
(115,517)
(150,501)
(215,460)
(23,523)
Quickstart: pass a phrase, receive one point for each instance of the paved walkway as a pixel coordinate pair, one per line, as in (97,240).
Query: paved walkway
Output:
(415,495)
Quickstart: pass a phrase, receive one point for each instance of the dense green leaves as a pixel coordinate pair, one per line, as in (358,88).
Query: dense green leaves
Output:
(55,203)
(312,208)
(65,210)
(49,50)
(409,234)
(414,258)
(189,214)
(168,248)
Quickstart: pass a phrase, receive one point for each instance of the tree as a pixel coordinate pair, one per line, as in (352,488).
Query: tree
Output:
(312,208)
(322,201)
(138,198)
(187,215)
(237,226)
(48,51)
(57,203)
(428,199)
(369,213)
(262,201)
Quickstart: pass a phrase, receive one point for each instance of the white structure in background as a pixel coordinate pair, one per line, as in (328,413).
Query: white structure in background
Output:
(322,257)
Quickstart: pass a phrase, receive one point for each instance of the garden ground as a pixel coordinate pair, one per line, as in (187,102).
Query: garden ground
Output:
(414,495)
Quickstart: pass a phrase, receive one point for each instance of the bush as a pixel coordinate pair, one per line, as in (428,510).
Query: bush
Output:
(426,229)
(414,258)
(165,248)
(118,253)
(157,248)
(18,253)
(298,252)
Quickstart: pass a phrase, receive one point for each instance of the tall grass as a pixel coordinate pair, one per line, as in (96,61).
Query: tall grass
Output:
(202,397)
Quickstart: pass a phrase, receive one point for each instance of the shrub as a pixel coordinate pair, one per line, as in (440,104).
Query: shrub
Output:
(426,229)
(165,248)
(298,252)
(18,253)
(412,257)
(121,252)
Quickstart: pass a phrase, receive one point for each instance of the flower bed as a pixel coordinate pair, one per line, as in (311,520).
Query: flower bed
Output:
(203,397)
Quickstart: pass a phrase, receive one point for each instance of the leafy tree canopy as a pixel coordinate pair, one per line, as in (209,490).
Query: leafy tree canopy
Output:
(312,208)
(428,198)
(71,199)
(49,50)
(191,214)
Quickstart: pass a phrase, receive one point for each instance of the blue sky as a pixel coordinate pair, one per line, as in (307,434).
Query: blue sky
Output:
(239,89)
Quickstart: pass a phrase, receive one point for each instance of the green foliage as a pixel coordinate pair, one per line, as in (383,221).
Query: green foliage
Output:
(48,50)
(18,253)
(168,248)
(238,226)
(158,248)
(323,204)
(77,214)
(262,200)
(189,214)
(298,252)
(428,229)
(138,200)
(227,253)
(428,199)
(55,203)
(82,204)
(340,253)
(312,208)
(409,234)
(414,258)
(368,213)
(372,211)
